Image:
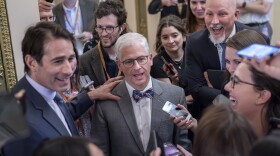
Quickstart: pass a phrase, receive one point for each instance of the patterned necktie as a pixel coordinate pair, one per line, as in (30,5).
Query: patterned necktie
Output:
(221,51)
(137,95)
(68,117)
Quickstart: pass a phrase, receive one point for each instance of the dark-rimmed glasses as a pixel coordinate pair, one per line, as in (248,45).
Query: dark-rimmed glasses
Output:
(235,80)
(140,60)
(108,29)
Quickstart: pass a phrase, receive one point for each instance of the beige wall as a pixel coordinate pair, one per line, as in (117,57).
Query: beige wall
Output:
(152,21)
(20,18)
(22,14)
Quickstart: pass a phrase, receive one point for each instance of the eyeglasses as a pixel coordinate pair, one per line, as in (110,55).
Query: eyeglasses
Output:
(48,19)
(108,29)
(140,60)
(235,80)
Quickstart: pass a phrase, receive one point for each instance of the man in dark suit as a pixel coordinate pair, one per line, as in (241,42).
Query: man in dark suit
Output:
(76,16)
(124,126)
(50,60)
(202,50)
(99,63)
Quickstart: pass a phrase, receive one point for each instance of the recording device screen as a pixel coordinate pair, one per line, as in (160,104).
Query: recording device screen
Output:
(258,50)
(172,109)
(171,150)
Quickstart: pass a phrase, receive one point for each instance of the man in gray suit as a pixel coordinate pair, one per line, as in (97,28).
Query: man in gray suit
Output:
(124,126)
(76,16)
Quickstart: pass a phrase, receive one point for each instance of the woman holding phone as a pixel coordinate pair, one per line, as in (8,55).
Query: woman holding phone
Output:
(170,38)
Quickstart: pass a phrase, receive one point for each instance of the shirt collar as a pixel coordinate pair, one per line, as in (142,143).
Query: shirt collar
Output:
(233,32)
(47,94)
(71,9)
(130,88)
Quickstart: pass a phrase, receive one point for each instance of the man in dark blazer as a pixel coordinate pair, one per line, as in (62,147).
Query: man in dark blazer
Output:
(50,61)
(202,54)
(80,23)
(124,126)
(99,63)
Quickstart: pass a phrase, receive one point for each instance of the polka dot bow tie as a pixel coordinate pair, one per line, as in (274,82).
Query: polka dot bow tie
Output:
(137,95)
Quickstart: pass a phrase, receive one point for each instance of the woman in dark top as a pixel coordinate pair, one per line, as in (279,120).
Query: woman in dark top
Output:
(170,38)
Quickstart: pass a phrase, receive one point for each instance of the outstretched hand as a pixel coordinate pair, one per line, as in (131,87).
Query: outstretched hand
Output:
(174,77)
(184,123)
(207,79)
(272,69)
(45,6)
(104,91)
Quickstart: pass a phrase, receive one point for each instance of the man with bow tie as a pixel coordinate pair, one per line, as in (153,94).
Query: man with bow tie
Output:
(124,126)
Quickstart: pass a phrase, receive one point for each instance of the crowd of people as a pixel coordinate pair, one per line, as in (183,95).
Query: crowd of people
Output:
(108,99)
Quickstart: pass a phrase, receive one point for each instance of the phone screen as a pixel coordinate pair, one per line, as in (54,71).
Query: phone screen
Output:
(171,150)
(258,50)
(172,109)
(167,65)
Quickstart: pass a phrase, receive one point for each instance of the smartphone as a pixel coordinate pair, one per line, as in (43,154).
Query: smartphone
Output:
(259,50)
(216,77)
(50,1)
(171,150)
(86,87)
(167,65)
(172,109)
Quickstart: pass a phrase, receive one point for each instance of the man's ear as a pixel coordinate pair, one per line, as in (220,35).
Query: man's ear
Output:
(264,97)
(236,14)
(123,27)
(31,63)
(118,62)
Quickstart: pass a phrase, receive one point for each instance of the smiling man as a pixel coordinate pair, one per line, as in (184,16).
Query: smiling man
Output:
(110,23)
(205,49)
(50,59)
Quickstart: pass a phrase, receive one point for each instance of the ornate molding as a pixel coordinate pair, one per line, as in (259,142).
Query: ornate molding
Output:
(6,48)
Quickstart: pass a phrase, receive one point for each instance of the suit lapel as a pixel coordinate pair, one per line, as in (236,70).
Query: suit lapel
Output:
(84,12)
(48,113)
(157,104)
(60,15)
(127,110)
(97,67)
(157,113)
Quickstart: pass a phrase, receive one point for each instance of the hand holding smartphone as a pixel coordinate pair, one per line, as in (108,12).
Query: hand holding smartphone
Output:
(87,86)
(173,110)
(167,65)
(258,50)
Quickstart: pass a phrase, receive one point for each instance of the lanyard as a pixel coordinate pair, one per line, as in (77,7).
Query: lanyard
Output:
(76,19)
(103,61)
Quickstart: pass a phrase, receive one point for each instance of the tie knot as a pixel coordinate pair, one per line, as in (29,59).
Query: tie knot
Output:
(58,99)
(138,95)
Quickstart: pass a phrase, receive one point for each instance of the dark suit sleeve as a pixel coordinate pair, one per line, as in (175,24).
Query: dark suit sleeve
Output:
(181,135)
(197,83)
(99,133)
(154,6)
(79,105)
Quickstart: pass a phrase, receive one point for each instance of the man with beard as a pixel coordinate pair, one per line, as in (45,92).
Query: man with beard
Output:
(205,49)
(99,63)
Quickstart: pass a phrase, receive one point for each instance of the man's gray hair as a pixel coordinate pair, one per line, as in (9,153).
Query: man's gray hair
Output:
(130,39)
